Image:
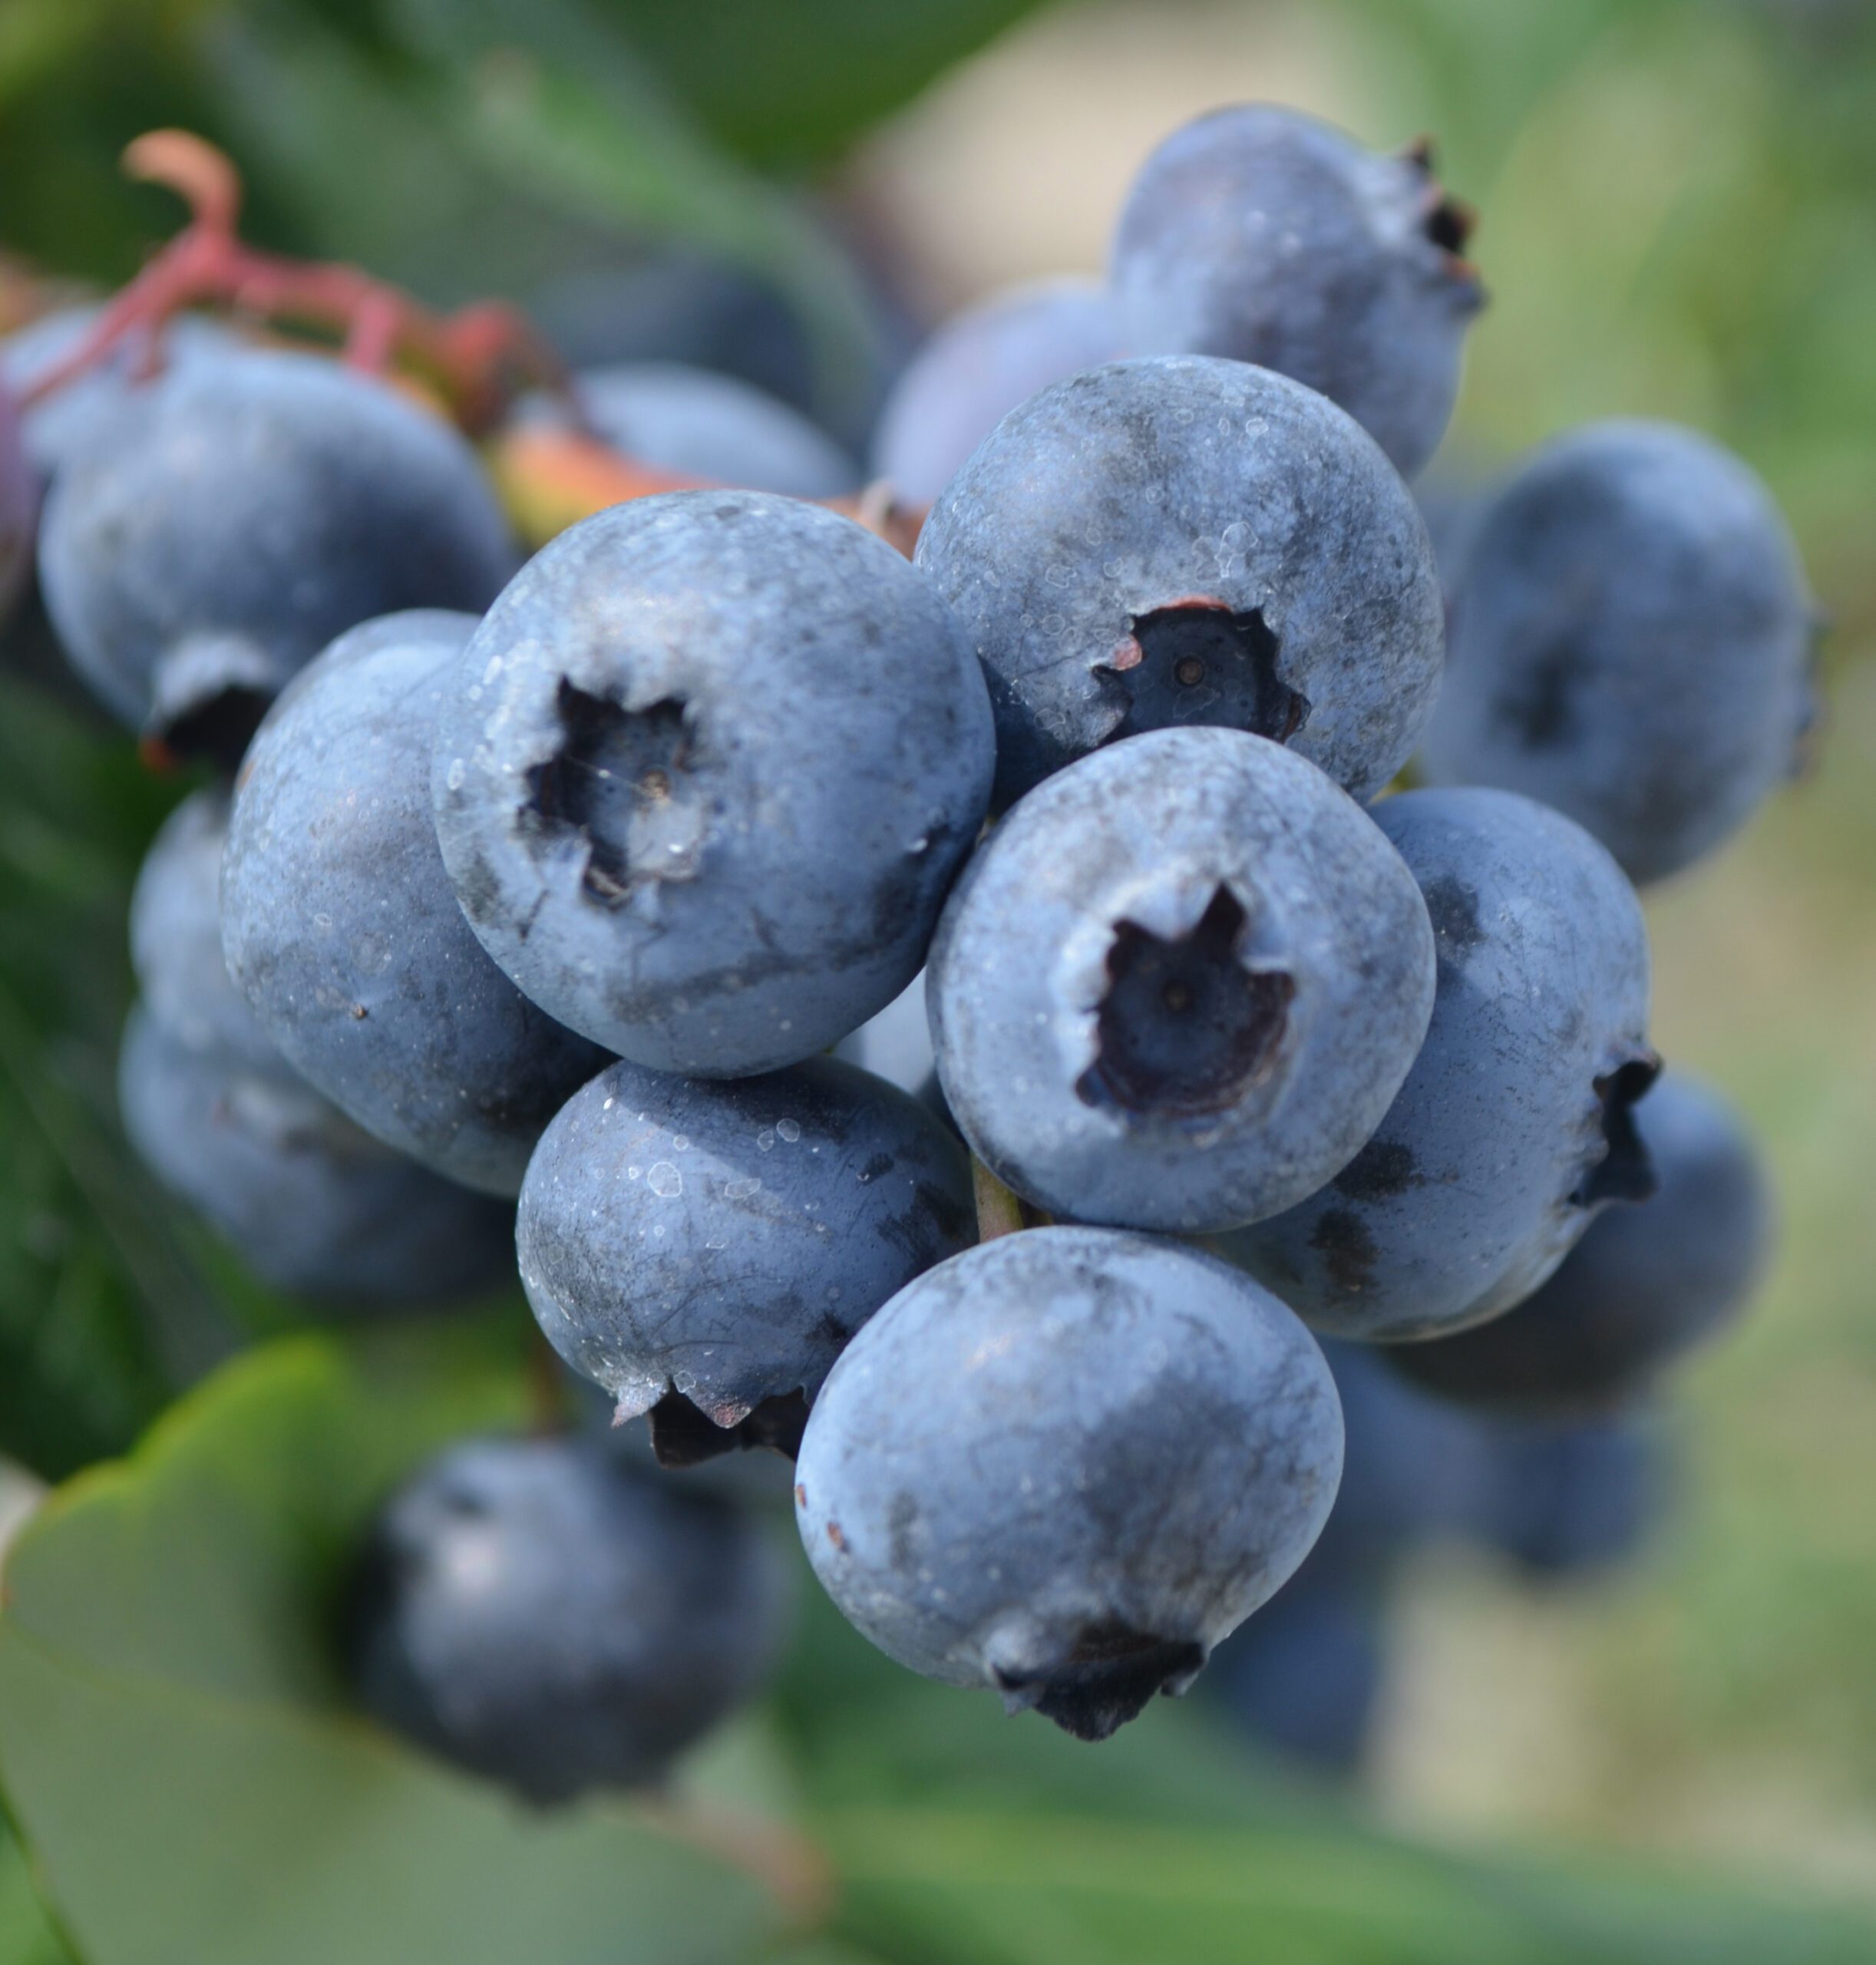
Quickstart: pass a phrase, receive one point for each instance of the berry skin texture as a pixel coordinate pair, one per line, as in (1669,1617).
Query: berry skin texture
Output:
(978,367)
(705,774)
(713,426)
(1262,234)
(704,1250)
(1179,984)
(176,937)
(1643,1286)
(544,1617)
(1180,541)
(311,1203)
(1631,641)
(1064,1464)
(342,927)
(1513,1127)
(236,515)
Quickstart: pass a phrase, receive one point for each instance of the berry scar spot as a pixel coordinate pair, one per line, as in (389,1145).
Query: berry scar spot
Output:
(1196,662)
(1626,1172)
(1184,1028)
(626,781)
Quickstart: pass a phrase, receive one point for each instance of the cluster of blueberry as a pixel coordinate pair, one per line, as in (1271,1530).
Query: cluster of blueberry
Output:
(540,894)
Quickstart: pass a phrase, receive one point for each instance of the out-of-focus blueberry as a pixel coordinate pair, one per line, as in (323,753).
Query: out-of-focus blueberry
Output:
(978,367)
(1259,233)
(1631,643)
(1644,1285)
(712,426)
(1182,540)
(542,1615)
(1514,1126)
(235,515)
(342,927)
(1179,984)
(176,938)
(1568,1500)
(1064,1464)
(311,1203)
(705,774)
(704,1250)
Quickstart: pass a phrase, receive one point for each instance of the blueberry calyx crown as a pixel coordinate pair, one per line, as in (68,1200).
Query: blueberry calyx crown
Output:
(1625,1171)
(1106,1679)
(1198,661)
(624,781)
(1184,1028)
(683,1436)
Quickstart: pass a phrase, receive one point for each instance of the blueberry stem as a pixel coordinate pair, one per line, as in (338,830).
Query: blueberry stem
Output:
(998,1210)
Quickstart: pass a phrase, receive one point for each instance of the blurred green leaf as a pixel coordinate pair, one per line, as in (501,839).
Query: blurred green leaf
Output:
(176,1744)
(27,1936)
(100,1314)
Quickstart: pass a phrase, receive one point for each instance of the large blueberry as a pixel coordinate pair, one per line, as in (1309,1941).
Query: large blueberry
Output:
(705,774)
(341,926)
(977,367)
(234,516)
(176,937)
(309,1202)
(1064,1464)
(1644,1285)
(717,428)
(1631,643)
(1514,1126)
(704,1250)
(1179,984)
(1261,233)
(1189,541)
(545,1616)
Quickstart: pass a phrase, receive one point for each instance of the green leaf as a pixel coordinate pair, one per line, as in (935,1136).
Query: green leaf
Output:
(177,1746)
(102,1314)
(27,1936)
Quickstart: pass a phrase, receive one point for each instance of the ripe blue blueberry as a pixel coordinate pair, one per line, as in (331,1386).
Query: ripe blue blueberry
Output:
(977,367)
(1188,541)
(1179,984)
(1631,643)
(704,1249)
(1260,233)
(235,516)
(1644,1285)
(705,774)
(1567,1500)
(544,1617)
(1064,1464)
(699,424)
(309,1202)
(176,937)
(1514,1126)
(342,927)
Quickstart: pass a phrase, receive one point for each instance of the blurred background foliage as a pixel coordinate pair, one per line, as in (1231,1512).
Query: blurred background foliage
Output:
(1680,220)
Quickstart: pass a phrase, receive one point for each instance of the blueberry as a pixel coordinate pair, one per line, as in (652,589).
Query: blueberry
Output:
(341,925)
(705,774)
(176,938)
(977,367)
(1644,1285)
(236,514)
(1303,1678)
(1631,643)
(60,426)
(311,1203)
(1064,1464)
(704,1250)
(1570,1499)
(699,424)
(1185,541)
(1514,1126)
(543,1616)
(1179,984)
(1260,233)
